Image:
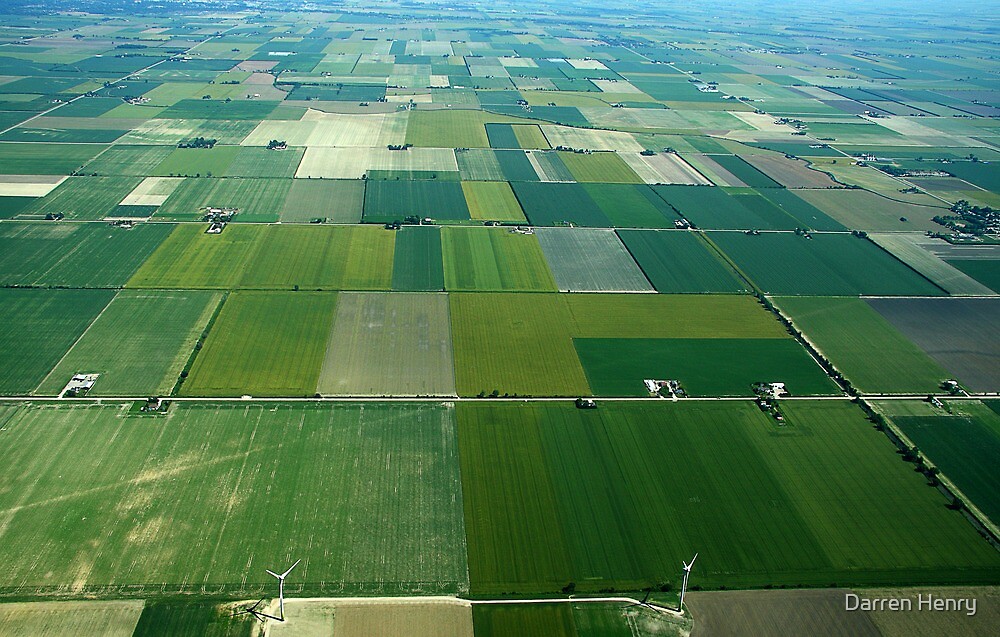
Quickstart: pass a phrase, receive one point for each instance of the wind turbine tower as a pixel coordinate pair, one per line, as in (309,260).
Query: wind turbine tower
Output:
(281,588)
(684,584)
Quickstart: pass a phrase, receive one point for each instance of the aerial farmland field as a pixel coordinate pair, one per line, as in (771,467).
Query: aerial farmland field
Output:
(590,260)
(264,343)
(155,331)
(643,447)
(680,262)
(960,439)
(866,348)
(389,344)
(493,259)
(39,327)
(825,264)
(75,255)
(215,484)
(486,319)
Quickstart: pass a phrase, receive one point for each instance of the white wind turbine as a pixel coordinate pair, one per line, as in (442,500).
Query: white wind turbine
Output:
(684,584)
(281,588)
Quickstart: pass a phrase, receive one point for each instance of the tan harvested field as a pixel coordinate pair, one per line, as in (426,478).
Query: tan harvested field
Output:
(257,65)
(709,168)
(591,139)
(863,210)
(55,619)
(915,249)
(790,173)
(389,343)
(29,185)
(938,623)
(152,191)
(409,617)
(664,168)
(353,163)
(777,613)
(824,612)
(617,86)
(317,128)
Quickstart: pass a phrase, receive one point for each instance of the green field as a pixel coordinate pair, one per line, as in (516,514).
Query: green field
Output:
(389,344)
(449,129)
(575,620)
(550,204)
(863,346)
(191,619)
(208,493)
(745,172)
(135,161)
(602,167)
(197,162)
(45,159)
(520,344)
(396,200)
(264,344)
(75,254)
(631,206)
(492,200)
(962,442)
(189,258)
(139,345)
(514,343)
(670,316)
(336,201)
(710,207)
(261,162)
(703,366)
(37,329)
(271,257)
(986,271)
(85,198)
(493,259)
(680,262)
(826,264)
(418,264)
(321,257)
(824,499)
(257,199)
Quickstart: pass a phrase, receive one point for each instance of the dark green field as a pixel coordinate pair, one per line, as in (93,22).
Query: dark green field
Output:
(75,255)
(45,159)
(38,327)
(963,444)
(418,263)
(550,204)
(612,498)
(826,264)
(745,172)
(704,367)
(396,200)
(680,262)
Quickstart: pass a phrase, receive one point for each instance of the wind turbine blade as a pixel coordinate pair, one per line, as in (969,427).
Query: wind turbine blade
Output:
(272,573)
(285,574)
(692,560)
